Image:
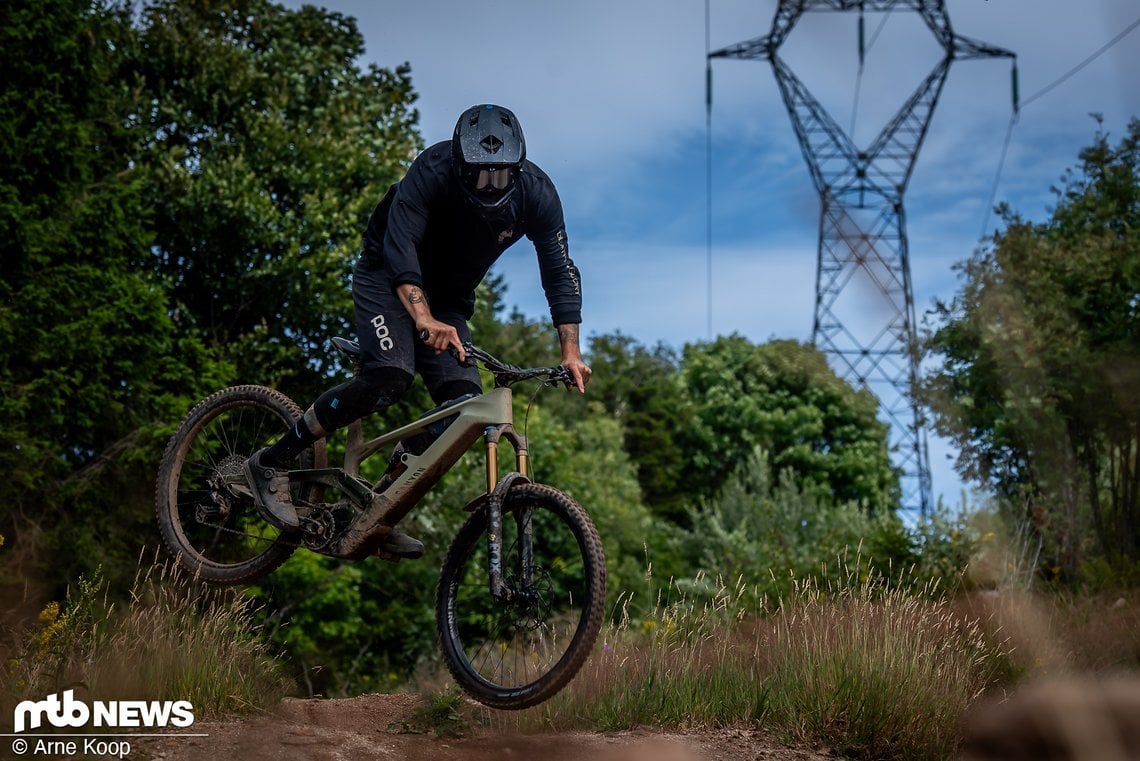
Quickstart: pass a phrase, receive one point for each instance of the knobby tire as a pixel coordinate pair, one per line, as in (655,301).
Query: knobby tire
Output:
(216,436)
(487,643)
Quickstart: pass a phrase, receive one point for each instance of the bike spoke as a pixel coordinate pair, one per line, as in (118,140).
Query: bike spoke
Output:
(204,507)
(512,643)
(216,457)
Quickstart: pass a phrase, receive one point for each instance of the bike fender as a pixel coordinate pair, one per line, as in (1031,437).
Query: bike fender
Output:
(506,483)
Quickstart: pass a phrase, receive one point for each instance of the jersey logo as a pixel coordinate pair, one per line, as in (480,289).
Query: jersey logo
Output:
(507,234)
(571,270)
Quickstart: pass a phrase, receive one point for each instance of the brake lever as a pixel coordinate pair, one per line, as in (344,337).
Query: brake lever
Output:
(562,375)
(468,362)
(471,352)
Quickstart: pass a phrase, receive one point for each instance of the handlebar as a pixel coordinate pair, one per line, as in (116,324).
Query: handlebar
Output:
(506,374)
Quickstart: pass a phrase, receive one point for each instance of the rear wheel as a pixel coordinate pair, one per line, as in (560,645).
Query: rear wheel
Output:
(204,506)
(519,651)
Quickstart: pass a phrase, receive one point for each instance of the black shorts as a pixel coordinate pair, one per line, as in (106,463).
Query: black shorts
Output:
(387,333)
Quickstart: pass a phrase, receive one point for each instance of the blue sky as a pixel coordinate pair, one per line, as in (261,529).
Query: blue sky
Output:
(611,96)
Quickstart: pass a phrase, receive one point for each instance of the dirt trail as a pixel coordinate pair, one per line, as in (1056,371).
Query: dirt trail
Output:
(366,728)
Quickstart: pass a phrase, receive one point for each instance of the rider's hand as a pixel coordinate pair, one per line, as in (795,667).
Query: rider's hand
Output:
(440,335)
(579,371)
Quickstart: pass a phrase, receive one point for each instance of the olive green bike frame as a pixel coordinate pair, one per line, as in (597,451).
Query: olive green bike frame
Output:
(489,415)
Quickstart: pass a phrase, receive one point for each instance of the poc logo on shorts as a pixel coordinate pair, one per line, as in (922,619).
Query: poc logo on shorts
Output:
(382,332)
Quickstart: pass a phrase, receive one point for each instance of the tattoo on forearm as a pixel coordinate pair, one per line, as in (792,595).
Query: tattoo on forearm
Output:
(415,296)
(568,332)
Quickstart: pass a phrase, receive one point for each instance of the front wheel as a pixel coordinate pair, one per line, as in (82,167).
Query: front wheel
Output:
(519,650)
(204,506)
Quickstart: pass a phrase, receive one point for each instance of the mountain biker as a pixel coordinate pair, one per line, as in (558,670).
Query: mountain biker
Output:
(428,244)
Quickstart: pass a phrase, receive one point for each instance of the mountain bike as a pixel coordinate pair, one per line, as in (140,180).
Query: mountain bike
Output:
(522,588)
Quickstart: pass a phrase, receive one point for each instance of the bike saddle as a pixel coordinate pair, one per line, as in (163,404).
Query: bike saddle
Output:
(350,348)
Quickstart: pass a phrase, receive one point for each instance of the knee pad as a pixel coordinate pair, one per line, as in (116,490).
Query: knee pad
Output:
(373,388)
(387,384)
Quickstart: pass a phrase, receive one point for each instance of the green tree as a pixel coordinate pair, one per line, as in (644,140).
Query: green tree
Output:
(90,359)
(184,190)
(267,148)
(783,398)
(641,389)
(1040,360)
(768,532)
(584,456)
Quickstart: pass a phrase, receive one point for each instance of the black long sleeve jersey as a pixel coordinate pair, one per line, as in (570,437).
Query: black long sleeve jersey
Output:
(427,233)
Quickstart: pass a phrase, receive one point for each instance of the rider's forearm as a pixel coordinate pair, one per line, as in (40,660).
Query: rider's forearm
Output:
(568,340)
(413,299)
(572,356)
(438,335)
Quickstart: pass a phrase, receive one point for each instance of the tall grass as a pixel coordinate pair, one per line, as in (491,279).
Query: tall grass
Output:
(172,640)
(683,665)
(874,672)
(867,668)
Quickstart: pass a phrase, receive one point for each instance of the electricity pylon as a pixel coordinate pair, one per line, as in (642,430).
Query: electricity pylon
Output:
(864,304)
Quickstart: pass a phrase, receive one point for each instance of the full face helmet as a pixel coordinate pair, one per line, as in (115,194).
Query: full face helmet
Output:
(489,149)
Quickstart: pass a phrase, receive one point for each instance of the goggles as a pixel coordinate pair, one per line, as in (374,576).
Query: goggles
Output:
(498,178)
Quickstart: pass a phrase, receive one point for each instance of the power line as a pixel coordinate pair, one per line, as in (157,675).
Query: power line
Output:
(708,167)
(1082,64)
(863,51)
(997,179)
(1055,83)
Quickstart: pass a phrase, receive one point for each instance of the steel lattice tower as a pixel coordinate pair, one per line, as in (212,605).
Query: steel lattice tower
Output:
(862,232)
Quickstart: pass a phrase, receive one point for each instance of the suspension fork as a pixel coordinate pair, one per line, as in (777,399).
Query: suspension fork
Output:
(525,537)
